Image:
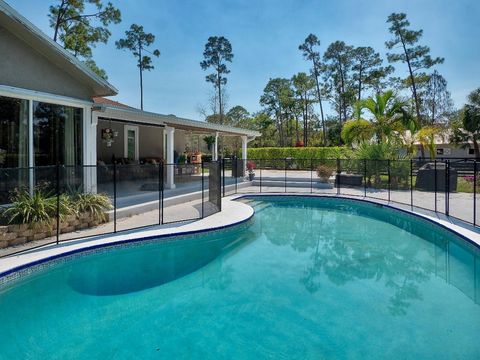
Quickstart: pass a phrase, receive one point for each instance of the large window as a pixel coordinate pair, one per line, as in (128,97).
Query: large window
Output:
(57,134)
(13,132)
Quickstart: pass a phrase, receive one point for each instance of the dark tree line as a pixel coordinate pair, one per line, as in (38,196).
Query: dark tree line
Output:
(344,75)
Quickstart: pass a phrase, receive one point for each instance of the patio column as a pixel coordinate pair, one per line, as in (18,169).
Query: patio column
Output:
(215,148)
(244,147)
(169,148)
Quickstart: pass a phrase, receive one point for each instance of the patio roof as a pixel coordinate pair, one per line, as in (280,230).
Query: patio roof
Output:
(113,109)
(35,38)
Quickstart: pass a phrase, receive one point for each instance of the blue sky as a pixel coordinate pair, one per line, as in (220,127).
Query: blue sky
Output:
(265,35)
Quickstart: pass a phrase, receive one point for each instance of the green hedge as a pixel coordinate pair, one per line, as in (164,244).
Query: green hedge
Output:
(300,153)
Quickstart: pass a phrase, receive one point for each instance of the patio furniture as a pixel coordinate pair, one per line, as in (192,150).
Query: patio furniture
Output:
(426,177)
(348,180)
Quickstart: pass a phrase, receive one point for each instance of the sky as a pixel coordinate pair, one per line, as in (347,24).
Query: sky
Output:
(265,35)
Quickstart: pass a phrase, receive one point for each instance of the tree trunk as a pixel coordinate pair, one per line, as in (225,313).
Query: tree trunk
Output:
(141,75)
(320,103)
(412,78)
(220,107)
(342,92)
(360,84)
(296,128)
(305,122)
(433,103)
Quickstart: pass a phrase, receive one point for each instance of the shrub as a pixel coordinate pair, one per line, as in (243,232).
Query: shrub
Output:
(324,172)
(299,153)
(39,207)
(93,204)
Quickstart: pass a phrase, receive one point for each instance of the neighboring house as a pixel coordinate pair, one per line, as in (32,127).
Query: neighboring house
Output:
(53,111)
(444,149)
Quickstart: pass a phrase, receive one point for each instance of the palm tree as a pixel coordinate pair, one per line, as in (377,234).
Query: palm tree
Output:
(388,116)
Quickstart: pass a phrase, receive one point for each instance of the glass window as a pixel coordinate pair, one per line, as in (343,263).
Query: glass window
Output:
(13,132)
(57,134)
(131,144)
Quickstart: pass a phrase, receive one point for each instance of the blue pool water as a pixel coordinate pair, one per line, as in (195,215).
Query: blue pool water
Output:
(306,278)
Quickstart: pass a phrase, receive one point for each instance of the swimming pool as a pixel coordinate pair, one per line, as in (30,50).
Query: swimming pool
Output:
(305,278)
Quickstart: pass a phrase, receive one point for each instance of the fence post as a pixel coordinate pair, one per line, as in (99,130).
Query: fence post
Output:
(447,187)
(58,201)
(311,176)
(236,173)
(203,190)
(222,164)
(219,174)
(365,178)
(338,176)
(260,168)
(285,174)
(435,182)
(114,196)
(160,191)
(474,192)
(389,183)
(411,183)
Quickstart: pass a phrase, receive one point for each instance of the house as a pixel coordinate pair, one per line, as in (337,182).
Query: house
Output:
(53,110)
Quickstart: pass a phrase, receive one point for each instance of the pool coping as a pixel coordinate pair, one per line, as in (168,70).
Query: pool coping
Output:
(233,213)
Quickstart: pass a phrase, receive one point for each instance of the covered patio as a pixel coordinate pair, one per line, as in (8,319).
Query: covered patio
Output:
(136,139)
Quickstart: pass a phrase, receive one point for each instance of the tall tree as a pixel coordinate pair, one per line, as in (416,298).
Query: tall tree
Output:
(437,103)
(138,41)
(368,71)
(304,85)
(262,122)
(277,99)
(338,62)
(417,57)
(309,53)
(238,116)
(78,31)
(218,51)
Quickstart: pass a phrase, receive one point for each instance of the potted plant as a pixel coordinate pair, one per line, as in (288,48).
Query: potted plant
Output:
(108,136)
(324,172)
(209,140)
(251,166)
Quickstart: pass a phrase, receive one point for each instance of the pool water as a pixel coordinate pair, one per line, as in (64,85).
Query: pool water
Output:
(306,278)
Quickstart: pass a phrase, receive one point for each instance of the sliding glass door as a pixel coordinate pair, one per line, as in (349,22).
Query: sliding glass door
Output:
(13,132)
(57,134)
(57,139)
(14,171)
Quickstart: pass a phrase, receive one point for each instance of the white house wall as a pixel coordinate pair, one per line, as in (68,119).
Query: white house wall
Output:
(150,142)
(105,152)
